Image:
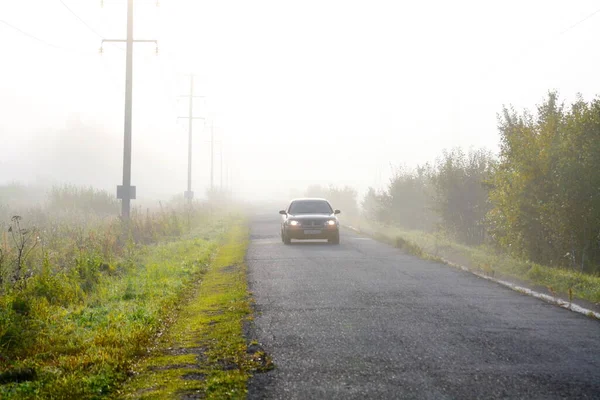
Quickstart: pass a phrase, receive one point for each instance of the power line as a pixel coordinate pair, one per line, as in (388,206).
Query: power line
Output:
(528,49)
(52,45)
(81,20)
(29,35)
(543,42)
(579,22)
(37,39)
(87,25)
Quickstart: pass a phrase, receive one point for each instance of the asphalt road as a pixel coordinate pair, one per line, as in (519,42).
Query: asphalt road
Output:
(363,320)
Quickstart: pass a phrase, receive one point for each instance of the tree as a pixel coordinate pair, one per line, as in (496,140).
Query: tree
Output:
(461,193)
(373,205)
(409,202)
(546,188)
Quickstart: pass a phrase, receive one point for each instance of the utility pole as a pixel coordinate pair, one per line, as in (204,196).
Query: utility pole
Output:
(212,156)
(189,194)
(126,192)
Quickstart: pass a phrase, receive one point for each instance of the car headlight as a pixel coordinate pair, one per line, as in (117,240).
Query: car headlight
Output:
(331,222)
(294,223)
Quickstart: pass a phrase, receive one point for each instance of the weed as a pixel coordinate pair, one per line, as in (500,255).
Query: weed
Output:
(25,240)
(570,296)
(408,246)
(535,272)
(91,298)
(204,353)
(86,200)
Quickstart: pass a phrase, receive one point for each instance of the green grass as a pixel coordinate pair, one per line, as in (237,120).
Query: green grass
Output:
(84,347)
(558,281)
(204,353)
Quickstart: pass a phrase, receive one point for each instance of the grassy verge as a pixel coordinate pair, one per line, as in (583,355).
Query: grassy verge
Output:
(203,354)
(85,348)
(565,283)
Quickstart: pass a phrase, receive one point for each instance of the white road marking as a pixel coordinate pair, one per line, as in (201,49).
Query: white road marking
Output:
(266,241)
(550,299)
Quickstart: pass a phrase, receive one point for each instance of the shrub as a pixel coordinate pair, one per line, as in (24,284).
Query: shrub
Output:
(69,198)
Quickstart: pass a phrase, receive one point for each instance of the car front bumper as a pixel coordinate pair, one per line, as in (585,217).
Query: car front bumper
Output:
(307,233)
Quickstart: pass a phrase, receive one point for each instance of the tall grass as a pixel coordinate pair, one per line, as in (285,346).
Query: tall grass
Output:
(86,200)
(81,291)
(78,229)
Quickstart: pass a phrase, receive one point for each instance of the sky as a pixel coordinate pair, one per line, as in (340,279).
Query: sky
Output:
(297,93)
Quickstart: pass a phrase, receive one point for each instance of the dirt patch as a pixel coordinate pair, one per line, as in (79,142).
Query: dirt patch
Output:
(215,312)
(173,366)
(179,351)
(194,376)
(228,365)
(229,269)
(191,395)
(144,391)
(17,375)
(254,348)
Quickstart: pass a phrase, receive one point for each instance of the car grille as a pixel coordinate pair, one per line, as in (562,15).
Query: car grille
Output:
(312,223)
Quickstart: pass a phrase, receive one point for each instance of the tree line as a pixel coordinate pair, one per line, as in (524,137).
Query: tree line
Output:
(538,199)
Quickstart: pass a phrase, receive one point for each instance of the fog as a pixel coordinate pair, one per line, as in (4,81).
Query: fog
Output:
(331,93)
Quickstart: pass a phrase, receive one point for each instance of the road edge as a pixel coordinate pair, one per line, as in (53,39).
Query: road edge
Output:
(571,306)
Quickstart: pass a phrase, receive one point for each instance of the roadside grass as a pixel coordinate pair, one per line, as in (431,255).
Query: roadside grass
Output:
(203,354)
(569,284)
(82,345)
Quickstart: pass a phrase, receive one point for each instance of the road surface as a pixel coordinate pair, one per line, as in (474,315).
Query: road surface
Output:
(363,320)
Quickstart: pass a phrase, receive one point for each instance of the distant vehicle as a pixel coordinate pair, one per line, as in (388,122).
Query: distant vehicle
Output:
(310,218)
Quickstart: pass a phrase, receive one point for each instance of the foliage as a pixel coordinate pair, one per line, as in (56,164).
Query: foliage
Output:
(85,245)
(24,241)
(373,205)
(461,193)
(546,203)
(206,341)
(69,198)
(94,298)
(409,199)
(451,196)
(539,200)
(15,194)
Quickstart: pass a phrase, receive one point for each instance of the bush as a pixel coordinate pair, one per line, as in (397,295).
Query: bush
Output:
(88,200)
(57,289)
(62,261)
(545,199)
(409,247)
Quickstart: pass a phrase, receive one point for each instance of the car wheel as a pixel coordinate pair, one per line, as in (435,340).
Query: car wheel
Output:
(286,239)
(335,239)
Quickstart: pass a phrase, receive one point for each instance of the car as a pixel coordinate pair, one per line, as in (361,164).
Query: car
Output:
(310,218)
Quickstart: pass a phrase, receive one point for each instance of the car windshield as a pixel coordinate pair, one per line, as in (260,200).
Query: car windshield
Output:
(310,207)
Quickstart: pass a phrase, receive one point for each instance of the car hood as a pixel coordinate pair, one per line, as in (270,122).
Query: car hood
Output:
(311,216)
